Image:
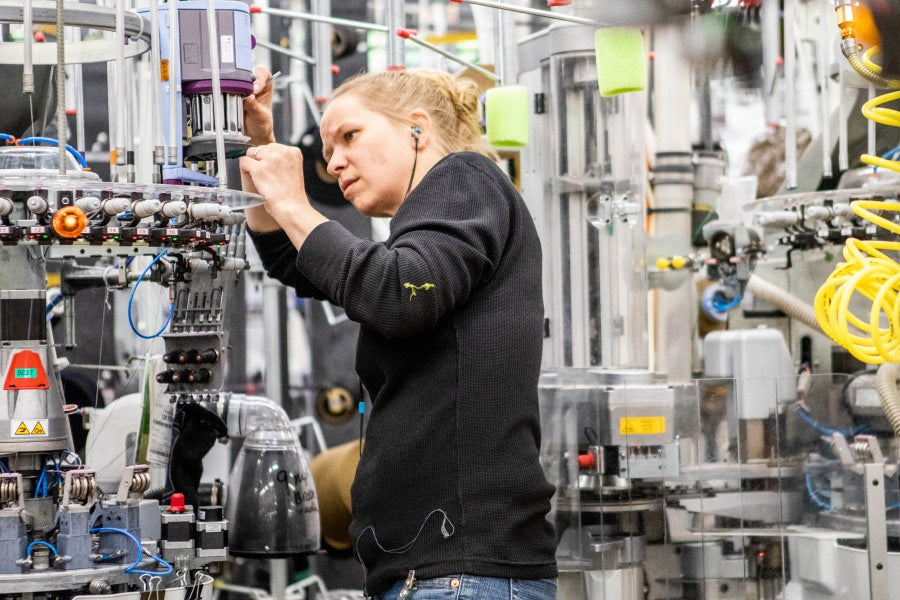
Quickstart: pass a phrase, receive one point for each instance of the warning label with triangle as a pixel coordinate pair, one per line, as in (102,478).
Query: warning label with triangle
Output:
(29,427)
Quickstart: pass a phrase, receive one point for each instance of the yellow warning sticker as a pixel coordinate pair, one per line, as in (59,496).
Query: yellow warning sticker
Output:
(30,427)
(642,425)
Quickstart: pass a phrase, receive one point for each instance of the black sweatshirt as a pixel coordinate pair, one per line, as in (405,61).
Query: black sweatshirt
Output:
(450,351)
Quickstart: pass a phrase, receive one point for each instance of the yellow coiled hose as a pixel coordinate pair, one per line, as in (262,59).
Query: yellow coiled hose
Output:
(874,111)
(870,279)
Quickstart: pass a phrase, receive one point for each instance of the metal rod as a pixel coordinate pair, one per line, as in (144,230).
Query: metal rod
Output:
(213,30)
(61,86)
(79,109)
(771,43)
(174,74)
(533,11)
(156,78)
(292,14)
(823,43)
(311,102)
(876,530)
(131,117)
(843,155)
(504,47)
(121,110)
(27,44)
(407,35)
(295,55)
(790,102)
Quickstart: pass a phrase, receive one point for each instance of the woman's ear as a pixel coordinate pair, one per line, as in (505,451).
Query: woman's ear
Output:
(420,130)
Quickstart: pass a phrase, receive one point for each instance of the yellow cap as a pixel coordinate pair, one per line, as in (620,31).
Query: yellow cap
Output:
(679,262)
(662,263)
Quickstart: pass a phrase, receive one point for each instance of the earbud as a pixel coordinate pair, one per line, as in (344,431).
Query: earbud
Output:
(416,130)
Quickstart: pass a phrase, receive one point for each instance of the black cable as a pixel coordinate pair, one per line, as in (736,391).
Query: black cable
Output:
(413,174)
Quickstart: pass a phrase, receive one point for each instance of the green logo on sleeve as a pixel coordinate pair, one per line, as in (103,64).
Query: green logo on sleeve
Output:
(415,288)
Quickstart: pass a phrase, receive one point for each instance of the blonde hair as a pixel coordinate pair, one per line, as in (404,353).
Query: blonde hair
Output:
(452,104)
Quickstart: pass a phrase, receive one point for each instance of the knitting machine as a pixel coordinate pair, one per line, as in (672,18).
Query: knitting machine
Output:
(70,529)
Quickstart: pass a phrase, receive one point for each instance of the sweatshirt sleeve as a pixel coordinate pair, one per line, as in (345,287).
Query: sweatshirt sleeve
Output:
(447,237)
(279,259)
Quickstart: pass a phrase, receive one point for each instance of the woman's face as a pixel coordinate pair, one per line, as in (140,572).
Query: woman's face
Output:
(370,155)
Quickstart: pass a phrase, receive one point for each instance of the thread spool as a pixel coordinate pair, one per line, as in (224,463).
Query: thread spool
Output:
(506,116)
(621,60)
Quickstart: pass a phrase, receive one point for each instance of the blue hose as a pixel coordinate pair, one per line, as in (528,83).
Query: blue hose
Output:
(46,140)
(133,568)
(814,496)
(824,429)
(131,302)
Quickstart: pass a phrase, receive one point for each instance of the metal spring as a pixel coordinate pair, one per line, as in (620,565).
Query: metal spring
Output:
(8,491)
(861,450)
(140,483)
(82,487)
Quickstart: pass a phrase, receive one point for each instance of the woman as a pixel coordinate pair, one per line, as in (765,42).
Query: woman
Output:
(449,499)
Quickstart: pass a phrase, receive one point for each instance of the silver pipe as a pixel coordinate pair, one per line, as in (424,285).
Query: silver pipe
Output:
(218,109)
(295,55)
(327,18)
(406,35)
(396,56)
(321,49)
(155,78)
(535,12)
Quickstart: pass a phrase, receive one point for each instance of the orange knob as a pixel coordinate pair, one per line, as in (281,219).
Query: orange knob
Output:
(69,221)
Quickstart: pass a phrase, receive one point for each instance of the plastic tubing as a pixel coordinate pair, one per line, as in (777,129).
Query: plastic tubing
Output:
(886,385)
(41,543)
(245,414)
(155,109)
(46,140)
(789,304)
(859,64)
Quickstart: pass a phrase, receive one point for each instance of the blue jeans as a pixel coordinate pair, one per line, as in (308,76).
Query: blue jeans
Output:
(472,587)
